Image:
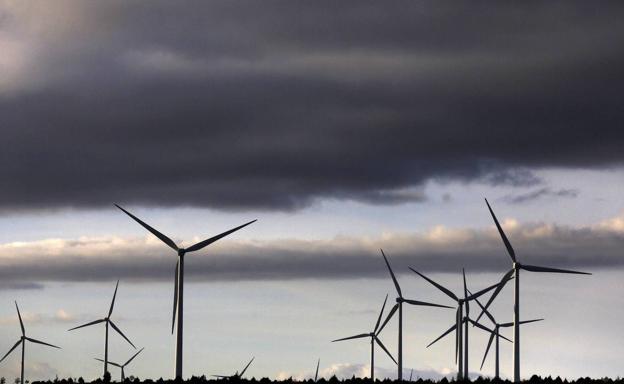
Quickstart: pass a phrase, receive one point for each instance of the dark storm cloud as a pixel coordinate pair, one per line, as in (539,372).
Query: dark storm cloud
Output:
(439,250)
(272,105)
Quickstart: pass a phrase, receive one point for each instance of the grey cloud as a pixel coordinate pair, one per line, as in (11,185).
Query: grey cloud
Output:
(540,193)
(240,105)
(17,285)
(440,250)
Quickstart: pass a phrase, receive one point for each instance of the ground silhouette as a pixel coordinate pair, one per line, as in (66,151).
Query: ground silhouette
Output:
(333,380)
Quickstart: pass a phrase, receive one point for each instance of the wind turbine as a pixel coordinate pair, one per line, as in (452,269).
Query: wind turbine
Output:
(178,292)
(374,335)
(236,375)
(318,363)
(496,334)
(515,271)
(122,366)
(399,305)
(22,341)
(460,338)
(108,322)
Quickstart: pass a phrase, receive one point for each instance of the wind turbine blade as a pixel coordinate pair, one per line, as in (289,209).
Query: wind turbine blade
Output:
(487,349)
(353,337)
(497,291)
(487,313)
(385,349)
(175,296)
(396,283)
(206,242)
(465,286)
(121,333)
(246,366)
(110,362)
(504,338)
(510,249)
(20,319)
(162,237)
(535,268)
(390,314)
(11,350)
(466,301)
(88,324)
(485,290)
(529,321)
(380,314)
(41,342)
(510,324)
(440,287)
(221,376)
(318,363)
(479,325)
(451,329)
(424,303)
(110,311)
(132,358)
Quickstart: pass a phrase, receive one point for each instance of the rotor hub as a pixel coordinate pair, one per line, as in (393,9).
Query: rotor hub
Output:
(181,252)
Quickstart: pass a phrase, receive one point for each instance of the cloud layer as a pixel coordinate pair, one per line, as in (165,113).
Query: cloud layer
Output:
(273,105)
(439,249)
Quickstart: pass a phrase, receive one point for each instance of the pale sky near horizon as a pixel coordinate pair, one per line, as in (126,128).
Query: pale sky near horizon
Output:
(343,128)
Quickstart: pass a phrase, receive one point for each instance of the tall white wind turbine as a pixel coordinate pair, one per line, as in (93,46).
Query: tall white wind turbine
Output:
(374,335)
(515,271)
(22,341)
(399,305)
(178,290)
(107,320)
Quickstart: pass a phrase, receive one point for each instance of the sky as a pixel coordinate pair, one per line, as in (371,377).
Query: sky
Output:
(343,127)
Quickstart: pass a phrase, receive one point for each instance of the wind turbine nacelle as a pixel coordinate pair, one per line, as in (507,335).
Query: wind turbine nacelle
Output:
(181,252)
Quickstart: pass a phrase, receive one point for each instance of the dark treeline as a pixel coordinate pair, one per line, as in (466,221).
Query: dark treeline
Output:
(334,380)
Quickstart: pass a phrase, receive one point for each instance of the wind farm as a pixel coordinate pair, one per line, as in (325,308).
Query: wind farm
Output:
(310,191)
(460,326)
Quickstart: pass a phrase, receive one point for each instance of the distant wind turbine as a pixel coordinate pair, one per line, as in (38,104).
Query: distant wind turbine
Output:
(123,366)
(374,335)
(515,271)
(178,292)
(496,336)
(399,305)
(22,341)
(461,337)
(108,322)
(236,375)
